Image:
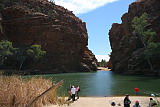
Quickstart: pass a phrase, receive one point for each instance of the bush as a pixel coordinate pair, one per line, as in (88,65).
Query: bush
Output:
(6,50)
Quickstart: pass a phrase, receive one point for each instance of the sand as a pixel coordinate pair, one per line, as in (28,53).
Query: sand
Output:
(105,101)
(103,69)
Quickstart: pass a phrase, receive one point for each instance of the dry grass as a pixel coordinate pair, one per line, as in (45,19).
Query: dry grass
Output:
(15,92)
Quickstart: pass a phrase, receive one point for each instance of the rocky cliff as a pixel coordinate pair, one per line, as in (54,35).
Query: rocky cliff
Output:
(60,33)
(127,55)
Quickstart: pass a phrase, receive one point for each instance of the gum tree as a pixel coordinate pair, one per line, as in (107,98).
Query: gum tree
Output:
(6,50)
(147,37)
(35,52)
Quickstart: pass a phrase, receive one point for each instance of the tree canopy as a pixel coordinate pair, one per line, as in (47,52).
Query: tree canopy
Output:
(35,52)
(147,37)
(103,63)
(6,49)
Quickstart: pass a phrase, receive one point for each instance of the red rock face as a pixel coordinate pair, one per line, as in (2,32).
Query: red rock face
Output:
(60,33)
(127,50)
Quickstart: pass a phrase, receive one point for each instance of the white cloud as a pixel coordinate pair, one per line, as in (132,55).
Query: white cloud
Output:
(100,57)
(82,6)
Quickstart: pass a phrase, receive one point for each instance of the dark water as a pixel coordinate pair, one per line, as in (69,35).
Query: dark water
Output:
(106,83)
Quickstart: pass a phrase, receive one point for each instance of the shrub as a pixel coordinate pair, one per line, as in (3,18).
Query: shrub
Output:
(6,50)
(15,91)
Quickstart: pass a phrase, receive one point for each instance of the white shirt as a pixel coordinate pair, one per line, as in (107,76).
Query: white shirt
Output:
(73,90)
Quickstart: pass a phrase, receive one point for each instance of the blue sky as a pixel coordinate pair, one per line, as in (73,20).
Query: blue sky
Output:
(99,16)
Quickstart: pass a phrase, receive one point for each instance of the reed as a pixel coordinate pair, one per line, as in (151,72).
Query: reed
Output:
(17,92)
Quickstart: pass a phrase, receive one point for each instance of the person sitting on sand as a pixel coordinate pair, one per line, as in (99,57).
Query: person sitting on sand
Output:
(152,103)
(127,102)
(113,103)
(136,104)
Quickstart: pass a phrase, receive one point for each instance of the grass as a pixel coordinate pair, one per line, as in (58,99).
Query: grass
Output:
(17,92)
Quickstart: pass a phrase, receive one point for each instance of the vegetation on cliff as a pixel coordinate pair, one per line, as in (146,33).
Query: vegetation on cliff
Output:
(7,52)
(35,53)
(148,38)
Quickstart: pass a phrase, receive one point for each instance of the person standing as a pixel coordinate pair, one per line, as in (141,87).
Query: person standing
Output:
(136,91)
(69,92)
(127,102)
(77,91)
(73,91)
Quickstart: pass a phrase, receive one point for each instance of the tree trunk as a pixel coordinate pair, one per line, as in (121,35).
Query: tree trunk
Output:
(34,63)
(149,62)
(21,64)
(2,62)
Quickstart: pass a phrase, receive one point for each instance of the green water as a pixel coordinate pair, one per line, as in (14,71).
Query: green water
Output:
(106,83)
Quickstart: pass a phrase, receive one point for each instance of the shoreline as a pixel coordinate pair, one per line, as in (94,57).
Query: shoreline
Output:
(103,69)
(106,101)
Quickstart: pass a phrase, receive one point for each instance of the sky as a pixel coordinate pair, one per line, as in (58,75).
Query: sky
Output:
(99,16)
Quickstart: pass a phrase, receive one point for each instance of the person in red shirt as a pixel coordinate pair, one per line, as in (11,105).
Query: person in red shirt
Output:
(136,91)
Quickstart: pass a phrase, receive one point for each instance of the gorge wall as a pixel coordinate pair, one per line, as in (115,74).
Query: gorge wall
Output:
(127,55)
(60,33)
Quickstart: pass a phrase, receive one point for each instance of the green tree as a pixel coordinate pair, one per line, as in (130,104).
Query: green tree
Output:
(20,55)
(147,37)
(35,52)
(6,50)
(103,63)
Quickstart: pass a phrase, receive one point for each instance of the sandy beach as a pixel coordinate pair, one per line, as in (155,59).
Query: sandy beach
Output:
(103,69)
(106,101)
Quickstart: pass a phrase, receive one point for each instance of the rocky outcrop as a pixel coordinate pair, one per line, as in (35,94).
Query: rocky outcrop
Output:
(88,60)
(60,33)
(127,50)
